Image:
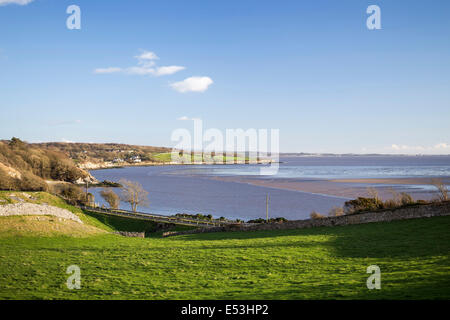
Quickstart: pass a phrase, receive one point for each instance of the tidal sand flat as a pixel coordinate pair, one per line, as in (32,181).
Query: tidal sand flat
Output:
(419,188)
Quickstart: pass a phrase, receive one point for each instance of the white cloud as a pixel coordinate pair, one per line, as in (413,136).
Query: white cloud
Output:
(162,71)
(141,71)
(146,66)
(19,2)
(147,55)
(192,84)
(107,70)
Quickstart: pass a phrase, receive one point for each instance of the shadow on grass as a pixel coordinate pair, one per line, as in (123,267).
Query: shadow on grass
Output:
(406,239)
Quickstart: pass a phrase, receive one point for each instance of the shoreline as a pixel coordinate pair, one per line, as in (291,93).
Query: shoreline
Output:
(420,188)
(106,165)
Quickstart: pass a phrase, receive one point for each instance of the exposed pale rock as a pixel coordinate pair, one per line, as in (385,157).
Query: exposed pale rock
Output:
(27,209)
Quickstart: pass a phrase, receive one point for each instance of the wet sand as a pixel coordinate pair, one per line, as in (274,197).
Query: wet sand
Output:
(347,188)
(391,181)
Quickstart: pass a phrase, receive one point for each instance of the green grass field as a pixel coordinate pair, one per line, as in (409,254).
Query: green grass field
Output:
(320,263)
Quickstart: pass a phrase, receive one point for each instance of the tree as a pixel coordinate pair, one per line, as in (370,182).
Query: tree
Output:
(16,142)
(442,190)
(373,193)
(134,194)
(111,198)
(6,181)
(90,199)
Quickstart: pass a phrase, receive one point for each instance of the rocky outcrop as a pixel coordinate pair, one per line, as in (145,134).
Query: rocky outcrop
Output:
(130,234)
(88,178)
(13,173)
(27,209)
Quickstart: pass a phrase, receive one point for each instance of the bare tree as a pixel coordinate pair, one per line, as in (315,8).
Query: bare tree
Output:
(441,189)
(111,198)
(373,193)
(134,194)
(396,198)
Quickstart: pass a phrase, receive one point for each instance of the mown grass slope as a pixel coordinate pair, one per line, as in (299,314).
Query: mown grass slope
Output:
(320,263)
(44,226)
(11,197)
(117,223)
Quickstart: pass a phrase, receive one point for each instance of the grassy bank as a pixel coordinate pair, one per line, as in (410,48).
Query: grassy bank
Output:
(321,263)
(151,229)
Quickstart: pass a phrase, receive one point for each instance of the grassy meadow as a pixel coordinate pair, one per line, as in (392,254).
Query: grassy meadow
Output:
(167,157)
(319,263)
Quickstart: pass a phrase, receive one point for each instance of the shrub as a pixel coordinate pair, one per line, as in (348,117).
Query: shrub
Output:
(361,204)
(6,182)
(111,198)
(271,220)
(373,193)
(406,199)
(73,194)
(336,212)
(30,182)
(316,215)
(390,204)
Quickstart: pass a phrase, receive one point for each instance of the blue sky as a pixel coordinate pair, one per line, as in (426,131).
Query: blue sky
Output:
(309,68)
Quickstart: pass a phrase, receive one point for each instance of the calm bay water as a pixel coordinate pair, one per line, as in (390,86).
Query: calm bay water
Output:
(193,189)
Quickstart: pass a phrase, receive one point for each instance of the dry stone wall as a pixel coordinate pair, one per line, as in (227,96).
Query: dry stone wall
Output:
(404,213)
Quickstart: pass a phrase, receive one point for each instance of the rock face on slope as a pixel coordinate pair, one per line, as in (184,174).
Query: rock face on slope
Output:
(89,178)
(26,209)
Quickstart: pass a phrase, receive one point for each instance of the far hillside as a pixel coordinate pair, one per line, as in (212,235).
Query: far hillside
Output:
(97,153)
(105,155)
(25,166)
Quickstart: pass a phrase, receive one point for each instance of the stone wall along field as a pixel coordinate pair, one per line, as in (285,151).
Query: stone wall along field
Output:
(404,213)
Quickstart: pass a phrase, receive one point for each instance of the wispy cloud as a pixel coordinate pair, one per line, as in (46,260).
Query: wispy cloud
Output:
(19,2)
(192,84)
(107,70)
(146,56)
(146,66)
(162,71)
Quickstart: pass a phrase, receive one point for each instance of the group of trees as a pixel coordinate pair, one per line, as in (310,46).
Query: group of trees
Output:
(33,165)
(131,192)
(99,152)
(25,166)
